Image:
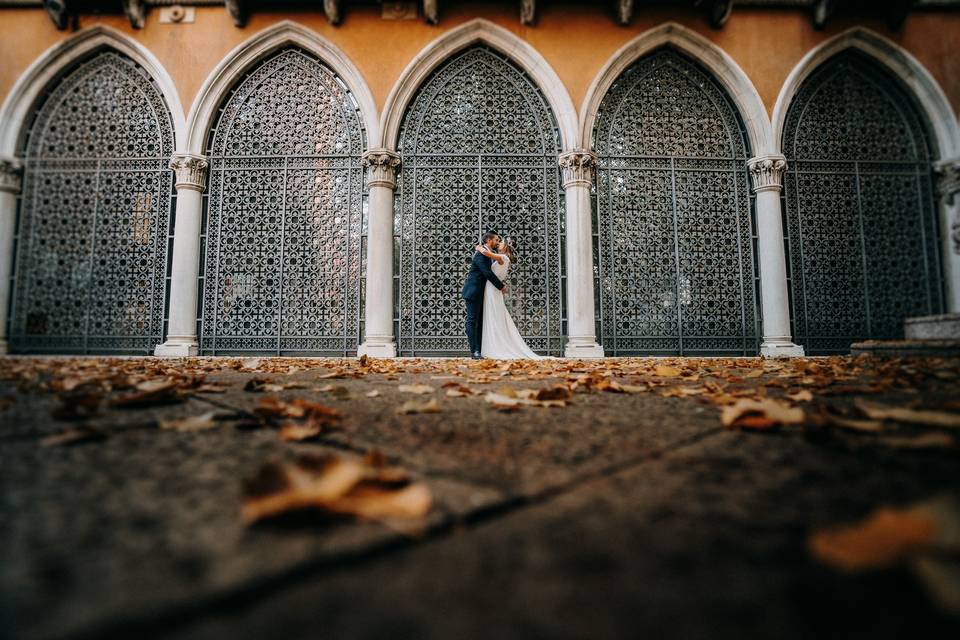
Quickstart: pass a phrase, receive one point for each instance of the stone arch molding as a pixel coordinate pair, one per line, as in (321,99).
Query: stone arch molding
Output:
(929,95)
(222,79)
(28,89)
(479,31)
(727,72)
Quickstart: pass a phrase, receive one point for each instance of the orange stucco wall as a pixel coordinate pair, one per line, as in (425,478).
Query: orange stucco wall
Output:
(576,40)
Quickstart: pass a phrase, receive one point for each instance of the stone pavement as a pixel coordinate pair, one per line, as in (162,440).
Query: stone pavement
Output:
(632,511)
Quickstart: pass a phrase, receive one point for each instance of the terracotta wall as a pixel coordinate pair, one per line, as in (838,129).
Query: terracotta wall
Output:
(575,40)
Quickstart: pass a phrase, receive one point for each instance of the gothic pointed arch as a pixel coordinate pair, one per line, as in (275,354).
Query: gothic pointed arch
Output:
(285,211)
(94,220)
(472,33)
(479,143)
(862,223)
(675,256)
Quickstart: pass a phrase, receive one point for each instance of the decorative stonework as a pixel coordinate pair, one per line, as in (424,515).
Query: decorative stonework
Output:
(948,179)
(11,173)
(766,172)
(381,166)
(577,167)
(191,171)
(948,186)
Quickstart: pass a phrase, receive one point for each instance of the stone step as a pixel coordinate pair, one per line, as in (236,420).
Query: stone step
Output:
(907,348)
(941,327)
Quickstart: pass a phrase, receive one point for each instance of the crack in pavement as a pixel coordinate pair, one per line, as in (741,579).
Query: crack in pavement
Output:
(162,622)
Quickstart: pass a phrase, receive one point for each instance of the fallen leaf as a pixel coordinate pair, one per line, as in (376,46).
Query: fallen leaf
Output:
(76,435)
(880,541)
(372,394)
(339,486)
(927,418)
(412,406)
(667,372)
(255,385)
(151,392)
(801,396)
(754,373)
(415,388)
(759,414)
(502,402)
(296,432)
(193,423)
(923,441)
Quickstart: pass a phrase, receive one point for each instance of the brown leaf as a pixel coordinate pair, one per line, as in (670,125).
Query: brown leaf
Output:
(923,441)
(295,432)
(880,541)
(415,388)
(76,435)
(339,486)
(151,392)
(194,423)
(373,393)
(927,418)
(759,414)
(801,396)
(412,406)
(666,372)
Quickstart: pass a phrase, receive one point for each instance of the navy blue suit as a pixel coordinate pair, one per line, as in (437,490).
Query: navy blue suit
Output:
(478,276)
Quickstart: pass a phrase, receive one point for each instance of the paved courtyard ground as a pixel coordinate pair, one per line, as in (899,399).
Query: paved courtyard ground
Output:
(320,498)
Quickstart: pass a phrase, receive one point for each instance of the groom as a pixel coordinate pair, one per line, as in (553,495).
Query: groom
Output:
(472,293)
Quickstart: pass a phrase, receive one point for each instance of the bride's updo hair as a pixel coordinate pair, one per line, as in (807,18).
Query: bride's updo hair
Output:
(506,246)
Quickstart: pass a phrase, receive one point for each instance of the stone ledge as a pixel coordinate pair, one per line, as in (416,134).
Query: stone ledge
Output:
(940,327)
(907,348)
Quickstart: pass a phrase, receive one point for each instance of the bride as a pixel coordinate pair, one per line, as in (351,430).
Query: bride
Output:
(501,340)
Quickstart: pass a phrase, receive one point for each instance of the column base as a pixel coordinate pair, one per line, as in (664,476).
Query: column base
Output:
(378,349)
(176,349)
(781,350)
(582,350)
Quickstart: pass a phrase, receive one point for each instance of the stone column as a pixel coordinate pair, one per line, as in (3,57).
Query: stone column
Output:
(767,175)
(191,176)
(577,167)
(10,180)
(948,186)
(381,167)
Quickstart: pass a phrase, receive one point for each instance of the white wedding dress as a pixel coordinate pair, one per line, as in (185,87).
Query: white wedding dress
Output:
(500,338)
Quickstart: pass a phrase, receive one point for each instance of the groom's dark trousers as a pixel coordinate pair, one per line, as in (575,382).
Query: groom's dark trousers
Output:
(480,272)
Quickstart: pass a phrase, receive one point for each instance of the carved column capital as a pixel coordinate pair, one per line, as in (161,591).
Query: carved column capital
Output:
(948,178)
(948,186)
(11,174)
(191,171)
(381,166)
(577,167)
(766,172)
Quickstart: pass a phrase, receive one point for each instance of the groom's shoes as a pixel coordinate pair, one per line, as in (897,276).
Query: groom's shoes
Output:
(475,355)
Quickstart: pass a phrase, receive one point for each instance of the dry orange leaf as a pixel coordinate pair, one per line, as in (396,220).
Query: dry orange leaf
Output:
(880,541)
(338,486)
(667,372)
(295,432)
(748,413)
(412,406)
(419,389)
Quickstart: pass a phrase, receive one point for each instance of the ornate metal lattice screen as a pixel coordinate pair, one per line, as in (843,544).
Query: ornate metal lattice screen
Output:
(480,149)
(94,214)
(675,246)
(285,214)
(861,220)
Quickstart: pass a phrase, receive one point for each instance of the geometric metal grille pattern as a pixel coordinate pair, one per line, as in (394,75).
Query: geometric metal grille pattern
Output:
(285,212)
(675,246)
(480,151)
(94,214)
(861,221)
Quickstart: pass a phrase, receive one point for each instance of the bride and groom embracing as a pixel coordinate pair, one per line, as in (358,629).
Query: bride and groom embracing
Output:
(490,329)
